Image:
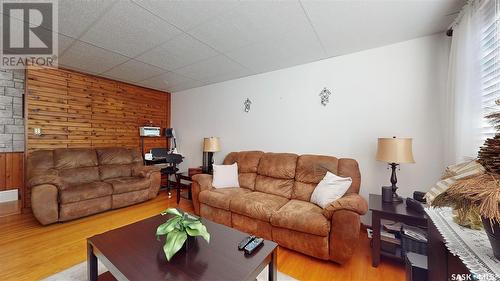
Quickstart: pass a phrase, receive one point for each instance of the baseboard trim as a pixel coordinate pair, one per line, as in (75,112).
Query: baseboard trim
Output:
(9,195)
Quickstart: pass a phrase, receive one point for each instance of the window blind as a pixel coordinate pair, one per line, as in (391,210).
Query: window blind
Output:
(490,63)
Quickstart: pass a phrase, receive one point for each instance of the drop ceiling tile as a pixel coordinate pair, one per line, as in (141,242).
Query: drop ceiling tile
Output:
(185,86)
(133,71)
(208,69)
(90,58)
(187,14)
(251,22)
(167,80)
(279,53)
(63,43)
(345,27)
(129,30)
(180,51)
(75,16)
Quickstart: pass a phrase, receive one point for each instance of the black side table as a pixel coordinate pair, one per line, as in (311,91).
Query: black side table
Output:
(396,212)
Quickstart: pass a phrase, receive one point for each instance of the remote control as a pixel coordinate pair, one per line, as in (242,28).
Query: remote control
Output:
(245,242)
(253,246)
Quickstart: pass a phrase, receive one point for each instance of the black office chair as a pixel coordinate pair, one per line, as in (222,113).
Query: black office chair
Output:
(169,162)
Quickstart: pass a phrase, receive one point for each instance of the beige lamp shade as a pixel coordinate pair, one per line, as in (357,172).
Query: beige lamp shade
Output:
(211,144)
(395,150)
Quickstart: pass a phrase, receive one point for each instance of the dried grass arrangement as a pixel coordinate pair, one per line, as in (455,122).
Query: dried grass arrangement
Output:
(480,195)
(473,197)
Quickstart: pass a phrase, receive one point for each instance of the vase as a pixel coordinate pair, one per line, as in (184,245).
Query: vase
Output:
(492,229)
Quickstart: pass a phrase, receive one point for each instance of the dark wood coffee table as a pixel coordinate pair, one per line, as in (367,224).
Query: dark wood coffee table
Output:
(133,253)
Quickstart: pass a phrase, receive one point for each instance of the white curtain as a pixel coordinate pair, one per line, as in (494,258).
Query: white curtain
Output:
(463,112)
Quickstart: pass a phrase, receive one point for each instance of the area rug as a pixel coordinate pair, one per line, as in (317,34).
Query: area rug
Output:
(79,273)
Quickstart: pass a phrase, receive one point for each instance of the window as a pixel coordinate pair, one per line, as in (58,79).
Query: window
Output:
(490,63)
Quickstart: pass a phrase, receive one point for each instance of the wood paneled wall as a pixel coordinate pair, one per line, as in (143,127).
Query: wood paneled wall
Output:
(80,110)
(11,170)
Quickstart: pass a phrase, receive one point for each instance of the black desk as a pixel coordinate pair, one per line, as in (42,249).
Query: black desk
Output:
(154,161)
(396,212)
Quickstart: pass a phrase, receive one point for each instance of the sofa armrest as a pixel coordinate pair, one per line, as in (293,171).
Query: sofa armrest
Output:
(344,235)
(44,203)
(200,182)
(153,174)
(351,201)
(144,171)
(42,177)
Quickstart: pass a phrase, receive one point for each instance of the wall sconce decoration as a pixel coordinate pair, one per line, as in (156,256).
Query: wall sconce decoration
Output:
(325,96)
(247,104)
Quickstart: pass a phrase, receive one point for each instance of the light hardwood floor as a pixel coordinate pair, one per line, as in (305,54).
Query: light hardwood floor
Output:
(29,251)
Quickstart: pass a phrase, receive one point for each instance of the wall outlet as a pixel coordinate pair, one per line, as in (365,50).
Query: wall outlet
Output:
(37,131)
(9,195)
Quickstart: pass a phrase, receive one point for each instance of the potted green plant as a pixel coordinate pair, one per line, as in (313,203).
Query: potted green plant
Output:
(177,229)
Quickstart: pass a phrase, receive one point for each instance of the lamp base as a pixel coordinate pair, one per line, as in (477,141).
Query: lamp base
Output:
(396,198)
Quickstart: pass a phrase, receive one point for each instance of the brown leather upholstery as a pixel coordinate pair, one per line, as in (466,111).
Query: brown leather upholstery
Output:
(248,161)
(80,209)
(275,174)
(350,168)
(311,169)
(251,225)
(85,191)
(78,176)
(309,244)
(257,205)
(302,216)
(71,183)
(74,158)
(215,214)
(200,182)
(115,171)
(220,197)
(127,184)
(274,202)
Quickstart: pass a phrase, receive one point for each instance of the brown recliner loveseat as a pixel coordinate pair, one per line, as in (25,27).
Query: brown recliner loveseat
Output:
(71,183)
(273,202)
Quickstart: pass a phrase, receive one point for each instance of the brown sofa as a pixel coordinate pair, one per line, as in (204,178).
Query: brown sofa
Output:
(71,183)
(273,202)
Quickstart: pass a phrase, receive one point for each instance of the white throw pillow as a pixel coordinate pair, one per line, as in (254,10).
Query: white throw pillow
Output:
(225,176)
(329,189)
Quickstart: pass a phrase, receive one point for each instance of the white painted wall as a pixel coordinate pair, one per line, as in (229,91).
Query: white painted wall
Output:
(394,90)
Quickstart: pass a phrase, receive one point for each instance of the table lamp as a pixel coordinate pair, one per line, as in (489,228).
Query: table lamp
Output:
(395,151)
(210,145)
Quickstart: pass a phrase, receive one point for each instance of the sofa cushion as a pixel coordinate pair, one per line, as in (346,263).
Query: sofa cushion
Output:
(221,197)
(301,216)
(278,165)
(275,174)
(311,169)
(280,187)
(78,176)
(257,205)
(350,168)
(248,161)
(65,158)
(247,180)
(85,191)
(114,156)
(115,171)
(40,160)
(127,184)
